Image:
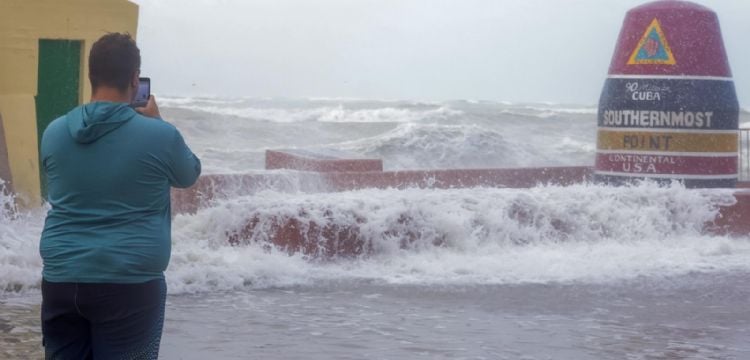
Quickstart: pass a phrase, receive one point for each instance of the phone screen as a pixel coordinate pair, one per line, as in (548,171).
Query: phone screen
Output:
(144,91)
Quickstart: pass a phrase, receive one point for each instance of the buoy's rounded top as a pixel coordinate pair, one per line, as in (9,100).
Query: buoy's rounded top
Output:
(671,4)
(670,38)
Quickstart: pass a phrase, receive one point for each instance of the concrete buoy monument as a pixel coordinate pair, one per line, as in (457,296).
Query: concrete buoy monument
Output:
(669,110)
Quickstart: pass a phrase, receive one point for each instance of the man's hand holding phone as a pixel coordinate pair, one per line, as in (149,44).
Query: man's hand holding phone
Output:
(144,102)
(151,109)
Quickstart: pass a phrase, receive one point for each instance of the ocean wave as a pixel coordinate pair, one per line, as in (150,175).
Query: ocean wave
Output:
(20,263)
(384,102)
(365,111)
(564,110)
(471,218)
(579,233)
(336,114)
(547,112)
(411,146)
(168,101)
(431,146)
(462,236)
(387,114)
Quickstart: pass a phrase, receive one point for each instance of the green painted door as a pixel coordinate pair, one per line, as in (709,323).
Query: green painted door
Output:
(59,85)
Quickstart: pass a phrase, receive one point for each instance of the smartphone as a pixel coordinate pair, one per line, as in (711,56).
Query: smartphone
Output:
(144,92)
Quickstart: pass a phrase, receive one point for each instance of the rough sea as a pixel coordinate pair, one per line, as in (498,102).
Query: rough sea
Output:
(629,275)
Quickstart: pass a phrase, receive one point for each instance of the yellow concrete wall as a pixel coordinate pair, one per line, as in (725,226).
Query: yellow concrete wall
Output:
(22,24)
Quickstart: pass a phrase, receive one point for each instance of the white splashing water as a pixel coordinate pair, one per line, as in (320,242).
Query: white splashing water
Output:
(20,264)
(415,146)
(580,233)
(334,114)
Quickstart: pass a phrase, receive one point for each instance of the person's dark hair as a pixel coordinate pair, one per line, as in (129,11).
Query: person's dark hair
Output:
(113,60)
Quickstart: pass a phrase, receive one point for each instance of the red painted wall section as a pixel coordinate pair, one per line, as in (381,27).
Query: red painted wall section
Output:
(310,161)
(460,178)
(335,240)
(210,187)
(735,219)
(345,240)
(692,32)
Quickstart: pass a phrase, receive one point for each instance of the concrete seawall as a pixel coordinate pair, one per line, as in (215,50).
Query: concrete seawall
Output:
(345,240)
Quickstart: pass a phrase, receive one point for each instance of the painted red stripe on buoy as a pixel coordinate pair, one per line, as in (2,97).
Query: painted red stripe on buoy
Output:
(653,165)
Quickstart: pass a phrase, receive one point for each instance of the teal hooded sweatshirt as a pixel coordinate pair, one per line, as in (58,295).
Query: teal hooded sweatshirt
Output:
(109,172)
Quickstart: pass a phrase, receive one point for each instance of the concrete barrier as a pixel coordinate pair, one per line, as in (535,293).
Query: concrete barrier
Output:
(330,240)
(216,187)
(344,240)
(315,161)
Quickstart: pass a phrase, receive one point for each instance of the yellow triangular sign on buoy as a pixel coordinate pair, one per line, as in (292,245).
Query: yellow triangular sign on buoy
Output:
(652,48)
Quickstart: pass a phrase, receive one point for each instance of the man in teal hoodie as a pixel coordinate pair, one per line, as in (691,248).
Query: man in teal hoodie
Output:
(107,237)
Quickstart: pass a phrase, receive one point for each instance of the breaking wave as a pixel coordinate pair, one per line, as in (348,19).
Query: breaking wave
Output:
(20,264)
(463,236)
(429,146)
(335,114)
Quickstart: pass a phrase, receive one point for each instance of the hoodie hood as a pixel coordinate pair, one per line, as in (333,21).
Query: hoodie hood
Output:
(90,122)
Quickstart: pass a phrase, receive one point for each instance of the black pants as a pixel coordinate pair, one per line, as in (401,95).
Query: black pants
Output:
(102,321)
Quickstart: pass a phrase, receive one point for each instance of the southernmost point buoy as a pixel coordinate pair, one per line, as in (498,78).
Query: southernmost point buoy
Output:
(669,110)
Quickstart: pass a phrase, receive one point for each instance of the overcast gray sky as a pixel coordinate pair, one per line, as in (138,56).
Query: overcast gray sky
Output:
(513,50)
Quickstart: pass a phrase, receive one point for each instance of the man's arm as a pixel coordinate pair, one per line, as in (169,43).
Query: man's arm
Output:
(183,167)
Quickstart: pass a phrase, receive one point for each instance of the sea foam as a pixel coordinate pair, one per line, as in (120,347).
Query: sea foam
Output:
(581,233)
